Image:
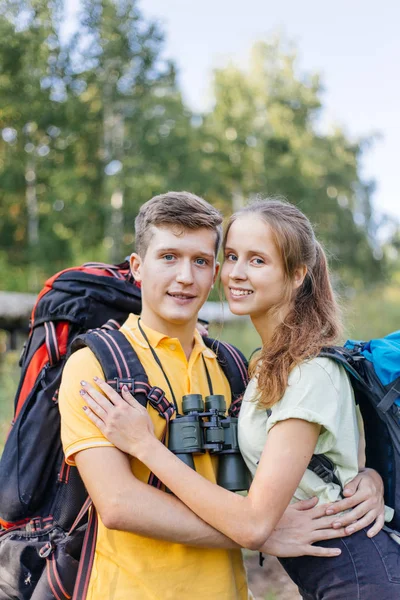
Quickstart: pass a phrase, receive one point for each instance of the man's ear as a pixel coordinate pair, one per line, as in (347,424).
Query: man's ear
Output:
(217,268)
(135,263)
(299,276)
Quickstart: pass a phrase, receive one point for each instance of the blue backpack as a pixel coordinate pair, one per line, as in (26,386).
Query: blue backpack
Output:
(374,369)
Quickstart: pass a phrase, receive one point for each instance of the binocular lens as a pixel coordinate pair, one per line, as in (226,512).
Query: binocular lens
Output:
(215,402)
(192,403)
(232,473)
(206,427)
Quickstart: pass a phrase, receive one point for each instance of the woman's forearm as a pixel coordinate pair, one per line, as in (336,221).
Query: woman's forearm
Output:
(230,513)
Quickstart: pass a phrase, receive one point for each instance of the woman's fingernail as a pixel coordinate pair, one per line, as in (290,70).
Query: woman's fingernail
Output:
(337,552)
(96,379)
(349,529)
(329,511)
(82,392)
(336,524)
(83,382)
(84,408)
(125,388)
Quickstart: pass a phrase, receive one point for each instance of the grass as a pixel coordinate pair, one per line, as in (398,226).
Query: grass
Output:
(9,378)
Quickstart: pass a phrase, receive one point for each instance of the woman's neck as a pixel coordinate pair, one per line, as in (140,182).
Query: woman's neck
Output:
(267,323)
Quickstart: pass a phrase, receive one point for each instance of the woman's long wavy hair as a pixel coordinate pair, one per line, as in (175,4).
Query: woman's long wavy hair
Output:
(312,316)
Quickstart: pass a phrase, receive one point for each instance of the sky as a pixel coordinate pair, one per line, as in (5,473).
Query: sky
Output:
(354,45)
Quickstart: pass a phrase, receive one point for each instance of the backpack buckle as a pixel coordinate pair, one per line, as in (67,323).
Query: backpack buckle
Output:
(324,474)
(119,382)
(322,466)
(159,402)
(46,550)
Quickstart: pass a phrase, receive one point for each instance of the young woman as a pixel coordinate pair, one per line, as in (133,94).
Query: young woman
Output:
(296,405)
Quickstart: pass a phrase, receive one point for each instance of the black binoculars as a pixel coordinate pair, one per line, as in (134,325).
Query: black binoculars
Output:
(206,427)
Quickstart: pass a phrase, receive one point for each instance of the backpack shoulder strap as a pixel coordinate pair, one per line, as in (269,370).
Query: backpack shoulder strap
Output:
(121,366)
(348,359)
(119,361)
(320,464)
(234,365)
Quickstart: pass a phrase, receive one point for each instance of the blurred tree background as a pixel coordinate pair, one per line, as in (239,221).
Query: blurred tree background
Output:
(94,126)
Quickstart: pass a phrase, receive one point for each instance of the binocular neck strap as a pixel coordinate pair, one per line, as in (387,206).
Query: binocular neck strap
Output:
(158,361)
(210,385)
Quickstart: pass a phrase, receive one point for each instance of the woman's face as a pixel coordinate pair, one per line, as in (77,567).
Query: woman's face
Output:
(252,274)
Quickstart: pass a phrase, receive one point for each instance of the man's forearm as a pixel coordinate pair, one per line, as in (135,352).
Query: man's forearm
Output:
(153,513)
(127,504)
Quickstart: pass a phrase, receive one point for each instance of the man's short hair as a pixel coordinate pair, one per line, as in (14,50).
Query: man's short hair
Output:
(181,209)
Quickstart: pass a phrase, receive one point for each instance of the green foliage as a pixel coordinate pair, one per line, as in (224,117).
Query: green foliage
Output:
(269,144)
(94,127)
(9,377)
(372,314)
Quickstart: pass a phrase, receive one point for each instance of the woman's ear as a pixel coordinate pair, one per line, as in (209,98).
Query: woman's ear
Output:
(299,276)
(135,263)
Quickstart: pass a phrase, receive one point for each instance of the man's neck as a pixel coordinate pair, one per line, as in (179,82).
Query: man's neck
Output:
(183,332)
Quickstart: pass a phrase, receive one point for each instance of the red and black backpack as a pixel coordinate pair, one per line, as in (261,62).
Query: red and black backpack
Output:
(46,541)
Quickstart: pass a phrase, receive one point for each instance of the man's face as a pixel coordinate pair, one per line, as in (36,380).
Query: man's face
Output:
(176,273)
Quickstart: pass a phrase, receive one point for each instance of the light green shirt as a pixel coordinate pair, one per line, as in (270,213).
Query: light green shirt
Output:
(318,391)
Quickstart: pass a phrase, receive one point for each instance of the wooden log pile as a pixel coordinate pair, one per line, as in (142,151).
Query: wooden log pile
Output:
(15,310)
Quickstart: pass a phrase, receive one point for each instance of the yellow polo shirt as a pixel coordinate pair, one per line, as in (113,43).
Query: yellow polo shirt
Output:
(129,566)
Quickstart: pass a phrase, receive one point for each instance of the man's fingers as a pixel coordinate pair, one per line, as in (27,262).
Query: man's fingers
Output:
(377,526)
(306,504)
(324,522)
(361,523)
(319,512)
(352,486)
(345,504)
(354,515)
(321,551)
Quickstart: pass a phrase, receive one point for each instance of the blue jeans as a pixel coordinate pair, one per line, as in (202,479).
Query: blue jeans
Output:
(367,569)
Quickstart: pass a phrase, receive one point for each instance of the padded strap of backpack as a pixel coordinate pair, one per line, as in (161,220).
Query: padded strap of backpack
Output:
(121,366)
(119,361)
(343,357)
(389,398)
(234,366)
(87,557)
(51,342)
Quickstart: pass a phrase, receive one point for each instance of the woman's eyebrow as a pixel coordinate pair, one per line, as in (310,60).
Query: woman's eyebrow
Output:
(249,251)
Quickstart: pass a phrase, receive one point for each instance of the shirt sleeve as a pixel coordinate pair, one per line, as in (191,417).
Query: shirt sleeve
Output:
(77,430)
(312,396)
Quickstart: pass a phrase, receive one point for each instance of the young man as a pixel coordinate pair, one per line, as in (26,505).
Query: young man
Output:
(150,546)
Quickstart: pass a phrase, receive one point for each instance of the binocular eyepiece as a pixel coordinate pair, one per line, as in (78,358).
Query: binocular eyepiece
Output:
(205,426)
